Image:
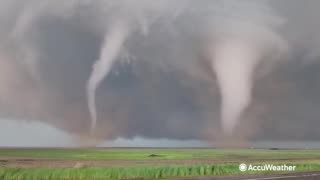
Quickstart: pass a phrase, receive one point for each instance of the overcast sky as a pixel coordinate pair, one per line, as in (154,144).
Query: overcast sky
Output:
(168,89)
(19,133)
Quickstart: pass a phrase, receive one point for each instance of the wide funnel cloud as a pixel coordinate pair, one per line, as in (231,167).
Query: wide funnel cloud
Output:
(161,69)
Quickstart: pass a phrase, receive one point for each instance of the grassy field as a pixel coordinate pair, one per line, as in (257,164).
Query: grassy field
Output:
(144,154)
(158,163)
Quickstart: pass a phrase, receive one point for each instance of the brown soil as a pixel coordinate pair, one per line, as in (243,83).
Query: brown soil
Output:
(49,163)
(54,163)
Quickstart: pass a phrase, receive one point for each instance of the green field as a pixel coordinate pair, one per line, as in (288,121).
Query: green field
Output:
(144,163)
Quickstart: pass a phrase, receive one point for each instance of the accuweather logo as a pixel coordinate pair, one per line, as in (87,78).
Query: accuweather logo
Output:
(243,167)
(267,167)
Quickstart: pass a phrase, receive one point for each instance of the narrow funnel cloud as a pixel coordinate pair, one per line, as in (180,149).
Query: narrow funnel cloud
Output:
(114,41)
(234,63)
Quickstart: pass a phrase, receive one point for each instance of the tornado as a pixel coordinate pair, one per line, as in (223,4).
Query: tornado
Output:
(234,63)
(113,42)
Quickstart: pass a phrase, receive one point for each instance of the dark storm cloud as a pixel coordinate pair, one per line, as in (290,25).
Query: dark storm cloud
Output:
(168,89)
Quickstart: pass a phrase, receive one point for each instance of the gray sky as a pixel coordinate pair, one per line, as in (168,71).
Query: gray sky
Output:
(168,90)
(18,133)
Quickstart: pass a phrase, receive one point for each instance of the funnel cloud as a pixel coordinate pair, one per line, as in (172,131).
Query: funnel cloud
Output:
(113,43)
(234,64)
